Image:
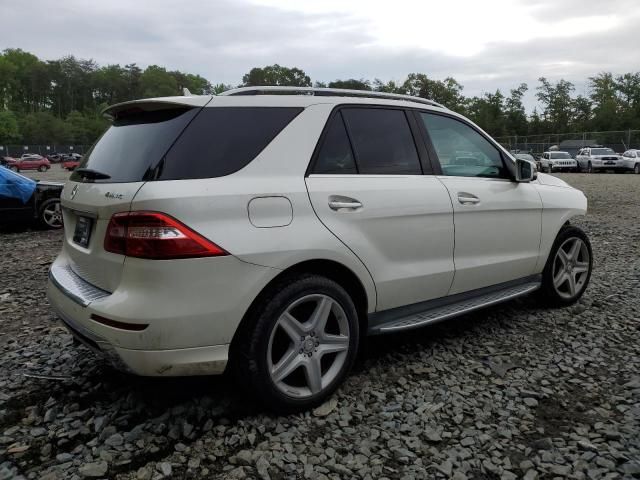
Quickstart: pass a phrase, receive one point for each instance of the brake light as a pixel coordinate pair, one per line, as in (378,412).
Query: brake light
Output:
(156,236)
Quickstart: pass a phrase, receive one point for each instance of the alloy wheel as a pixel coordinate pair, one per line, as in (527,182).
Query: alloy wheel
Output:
(571,267)
(308,346)
(52,215)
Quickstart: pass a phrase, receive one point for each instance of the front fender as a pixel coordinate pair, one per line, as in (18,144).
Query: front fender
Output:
(559,205)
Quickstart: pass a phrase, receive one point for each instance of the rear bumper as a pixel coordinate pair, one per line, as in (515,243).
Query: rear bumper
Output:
(177,337)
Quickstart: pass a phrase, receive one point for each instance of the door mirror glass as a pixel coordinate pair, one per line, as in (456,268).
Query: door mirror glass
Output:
(525,170)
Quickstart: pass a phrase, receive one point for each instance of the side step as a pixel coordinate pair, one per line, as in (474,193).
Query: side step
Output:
(453,309)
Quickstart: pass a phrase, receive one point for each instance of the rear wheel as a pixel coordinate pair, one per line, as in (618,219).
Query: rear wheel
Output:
(299,345)
(568,269)
(636,169)
(50,215)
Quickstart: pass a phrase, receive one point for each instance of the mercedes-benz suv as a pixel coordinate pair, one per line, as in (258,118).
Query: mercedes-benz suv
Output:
(266,231)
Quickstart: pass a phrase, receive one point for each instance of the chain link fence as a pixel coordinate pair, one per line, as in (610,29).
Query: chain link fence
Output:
(618,140)
(19,150)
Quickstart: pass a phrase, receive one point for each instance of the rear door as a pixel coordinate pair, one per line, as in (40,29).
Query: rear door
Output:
(129,153)
(367,186)
(497,220)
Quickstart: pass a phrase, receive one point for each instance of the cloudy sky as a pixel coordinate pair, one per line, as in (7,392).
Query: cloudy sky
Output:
(485,45)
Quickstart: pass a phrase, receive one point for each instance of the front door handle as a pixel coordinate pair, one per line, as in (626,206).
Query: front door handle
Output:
(338,203)
(468,198)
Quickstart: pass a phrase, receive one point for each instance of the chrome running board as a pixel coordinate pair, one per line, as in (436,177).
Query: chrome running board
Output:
(442,309)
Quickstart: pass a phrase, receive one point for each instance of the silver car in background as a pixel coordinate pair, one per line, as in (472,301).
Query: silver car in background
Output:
(631,159)
(592,159)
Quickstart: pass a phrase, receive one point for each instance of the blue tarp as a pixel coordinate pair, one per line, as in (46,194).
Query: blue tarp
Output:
(14,185)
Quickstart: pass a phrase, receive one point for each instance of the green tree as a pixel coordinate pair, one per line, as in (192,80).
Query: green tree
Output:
(557,103)
(157,82)
(351,84)
(42,128)
(9,131)
(276,75)
(515,115)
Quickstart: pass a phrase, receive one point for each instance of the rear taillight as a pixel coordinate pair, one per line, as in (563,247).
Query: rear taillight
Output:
(156,236)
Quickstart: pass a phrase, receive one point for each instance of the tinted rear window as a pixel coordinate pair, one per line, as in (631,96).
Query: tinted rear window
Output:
(182,144)
(222,140)
(382,141)
(130,149)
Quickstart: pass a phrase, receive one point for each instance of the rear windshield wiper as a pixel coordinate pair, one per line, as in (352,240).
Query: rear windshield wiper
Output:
(92,174)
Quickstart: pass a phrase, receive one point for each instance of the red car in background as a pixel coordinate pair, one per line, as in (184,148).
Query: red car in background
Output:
(27,162)
(71,162)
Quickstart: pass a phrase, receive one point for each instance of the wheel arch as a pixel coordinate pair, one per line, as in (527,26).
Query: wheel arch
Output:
(339,273)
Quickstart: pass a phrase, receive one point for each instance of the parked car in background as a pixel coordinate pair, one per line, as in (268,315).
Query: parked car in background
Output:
(597,159)
(25,200)
(557,161)
(28,162)
(298,225)
(4,161)
(631,159)
(31,156)
(70,163)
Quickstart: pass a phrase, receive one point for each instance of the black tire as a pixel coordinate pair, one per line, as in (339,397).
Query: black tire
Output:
(249,351)
(45,220)
(42,168)
(15,168)
(636,169)
(548,292)
(589,168)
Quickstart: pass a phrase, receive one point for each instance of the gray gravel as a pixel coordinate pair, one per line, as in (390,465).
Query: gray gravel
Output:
(515,391)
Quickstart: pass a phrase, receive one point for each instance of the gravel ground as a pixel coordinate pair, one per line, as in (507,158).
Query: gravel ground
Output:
(515,391)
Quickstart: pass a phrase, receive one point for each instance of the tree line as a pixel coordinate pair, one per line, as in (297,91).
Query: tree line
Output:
(59,101)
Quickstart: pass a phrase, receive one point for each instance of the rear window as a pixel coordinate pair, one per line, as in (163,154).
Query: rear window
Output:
(222,140)
(179,143)
(131,148)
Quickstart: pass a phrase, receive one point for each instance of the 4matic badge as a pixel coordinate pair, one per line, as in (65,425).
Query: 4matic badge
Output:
(115,196)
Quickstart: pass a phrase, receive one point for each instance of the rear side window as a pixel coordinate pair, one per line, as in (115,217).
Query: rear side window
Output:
(382,141)
(222,140)
(335,155)
(130,149)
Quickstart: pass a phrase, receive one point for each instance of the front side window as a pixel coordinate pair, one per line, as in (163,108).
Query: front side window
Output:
(461,150)
(382,141)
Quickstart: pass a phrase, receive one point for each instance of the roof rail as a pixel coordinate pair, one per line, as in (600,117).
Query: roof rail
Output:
(332,92)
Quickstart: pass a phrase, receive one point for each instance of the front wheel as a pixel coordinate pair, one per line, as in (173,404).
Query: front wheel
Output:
(42,168)
(15,168)
(299,345)
(568,269)
(636,169)
(589,168)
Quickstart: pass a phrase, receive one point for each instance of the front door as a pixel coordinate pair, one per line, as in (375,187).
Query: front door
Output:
(497,220)
(366,185)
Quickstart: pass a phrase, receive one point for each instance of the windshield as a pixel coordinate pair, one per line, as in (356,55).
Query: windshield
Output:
(560,155)
(602,151)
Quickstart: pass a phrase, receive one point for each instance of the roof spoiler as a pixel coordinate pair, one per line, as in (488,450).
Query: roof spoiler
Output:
(153,104)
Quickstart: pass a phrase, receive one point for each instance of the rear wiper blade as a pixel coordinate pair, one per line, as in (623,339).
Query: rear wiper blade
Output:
(93,174)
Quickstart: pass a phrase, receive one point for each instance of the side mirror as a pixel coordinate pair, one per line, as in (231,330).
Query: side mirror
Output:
(525,171)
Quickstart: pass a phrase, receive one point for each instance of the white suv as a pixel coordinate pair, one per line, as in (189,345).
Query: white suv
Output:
(631,159)
(595,159)
(557,161)
(266,231)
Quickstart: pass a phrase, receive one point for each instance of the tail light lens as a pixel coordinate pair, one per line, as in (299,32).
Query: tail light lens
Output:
(156,236)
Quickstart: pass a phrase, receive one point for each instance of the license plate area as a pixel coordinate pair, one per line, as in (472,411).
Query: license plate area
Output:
(82,232)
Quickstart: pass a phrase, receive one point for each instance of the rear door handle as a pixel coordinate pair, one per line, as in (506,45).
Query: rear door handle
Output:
(337,203)
(467,198)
